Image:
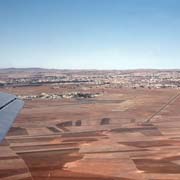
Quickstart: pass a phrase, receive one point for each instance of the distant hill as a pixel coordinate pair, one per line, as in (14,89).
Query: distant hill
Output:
(5,70)
(37,70)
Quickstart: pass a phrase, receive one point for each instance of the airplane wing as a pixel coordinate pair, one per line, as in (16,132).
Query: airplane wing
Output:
(10,106)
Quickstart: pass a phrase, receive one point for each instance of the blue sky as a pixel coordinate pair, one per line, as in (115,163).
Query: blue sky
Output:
(90,34)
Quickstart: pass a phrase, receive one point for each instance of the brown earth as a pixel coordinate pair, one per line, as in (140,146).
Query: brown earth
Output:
(124,134)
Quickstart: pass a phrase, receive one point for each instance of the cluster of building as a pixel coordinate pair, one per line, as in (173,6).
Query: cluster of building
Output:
(75,95)
(132,79)
(152,79)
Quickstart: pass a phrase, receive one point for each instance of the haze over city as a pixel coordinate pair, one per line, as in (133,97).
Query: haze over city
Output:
(90,34)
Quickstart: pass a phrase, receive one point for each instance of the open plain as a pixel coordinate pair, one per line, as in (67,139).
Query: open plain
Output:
(121,134)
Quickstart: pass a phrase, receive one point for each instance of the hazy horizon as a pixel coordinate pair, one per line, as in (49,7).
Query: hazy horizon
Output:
(90,34)
(131,69)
